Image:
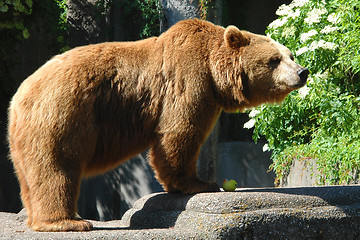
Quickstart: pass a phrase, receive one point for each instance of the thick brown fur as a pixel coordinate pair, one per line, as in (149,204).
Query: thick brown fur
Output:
(90,109)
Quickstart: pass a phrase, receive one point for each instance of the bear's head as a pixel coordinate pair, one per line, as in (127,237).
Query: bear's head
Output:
(254,69)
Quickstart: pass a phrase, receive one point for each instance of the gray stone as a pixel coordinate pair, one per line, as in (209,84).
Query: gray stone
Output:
(269,213)
(176,10)
(264,213)
(302,173)
(88,20)
(13,227)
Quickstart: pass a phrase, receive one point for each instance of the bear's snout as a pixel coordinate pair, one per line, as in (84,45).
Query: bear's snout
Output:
(303,74)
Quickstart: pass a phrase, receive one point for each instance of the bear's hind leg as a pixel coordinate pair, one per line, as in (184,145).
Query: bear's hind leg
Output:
(174,159)
(53,201)
(25,195)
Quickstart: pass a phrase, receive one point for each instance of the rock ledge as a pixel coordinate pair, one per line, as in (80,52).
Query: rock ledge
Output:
(267,213)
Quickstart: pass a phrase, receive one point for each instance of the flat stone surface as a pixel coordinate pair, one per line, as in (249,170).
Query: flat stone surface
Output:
(12,226)
(267,213)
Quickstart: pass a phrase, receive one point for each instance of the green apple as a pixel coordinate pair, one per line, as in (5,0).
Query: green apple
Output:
(229,185)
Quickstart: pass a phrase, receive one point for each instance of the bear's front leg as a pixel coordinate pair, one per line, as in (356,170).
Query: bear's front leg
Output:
(174,157)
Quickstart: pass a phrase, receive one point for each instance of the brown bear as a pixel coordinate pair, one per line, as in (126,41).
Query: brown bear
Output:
(90,109)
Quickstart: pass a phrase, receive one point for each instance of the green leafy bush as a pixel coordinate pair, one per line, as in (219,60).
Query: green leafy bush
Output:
(12,14)
(151,13)
(18,20)
(145,14)
(321,120)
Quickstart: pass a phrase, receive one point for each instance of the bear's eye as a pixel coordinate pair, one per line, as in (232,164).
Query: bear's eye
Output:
(292,57)
(274,62)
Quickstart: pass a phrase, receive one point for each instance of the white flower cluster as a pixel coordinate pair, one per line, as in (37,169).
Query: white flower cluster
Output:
(250,124)
(253,113)
(287,11)
(298,3)
(304,91)
(278,23)
(301,51)
(323,44)
(306,36)
(315,15)
(329,29)
(266,147)
(284,10)
(333,18)
(293,11)
(316,45)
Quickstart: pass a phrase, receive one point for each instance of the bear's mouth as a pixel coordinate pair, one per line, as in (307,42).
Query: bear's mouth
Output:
(298,85)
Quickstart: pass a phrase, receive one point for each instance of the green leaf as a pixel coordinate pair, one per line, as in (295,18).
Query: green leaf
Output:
(26,33)
(4,8)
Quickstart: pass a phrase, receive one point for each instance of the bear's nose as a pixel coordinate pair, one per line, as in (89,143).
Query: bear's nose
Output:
(303,74)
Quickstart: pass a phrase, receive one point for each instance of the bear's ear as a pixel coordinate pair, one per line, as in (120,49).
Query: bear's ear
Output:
(234,38)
